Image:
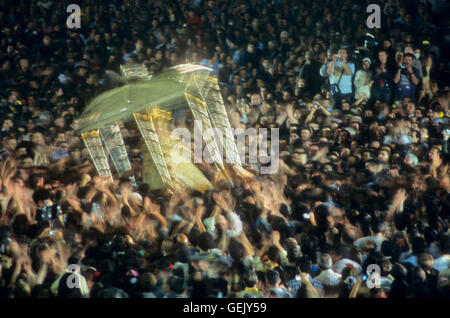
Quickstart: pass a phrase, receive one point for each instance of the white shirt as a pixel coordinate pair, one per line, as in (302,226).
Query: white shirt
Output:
(442,263)
(378,240)
(236,225)
(328,278)
(340,265)
(361,81)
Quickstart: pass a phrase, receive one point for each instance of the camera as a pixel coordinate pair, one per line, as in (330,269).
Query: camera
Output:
(357,56)
(4,243)
(370,41)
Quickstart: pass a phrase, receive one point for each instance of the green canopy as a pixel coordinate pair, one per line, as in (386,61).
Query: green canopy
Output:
(165,91)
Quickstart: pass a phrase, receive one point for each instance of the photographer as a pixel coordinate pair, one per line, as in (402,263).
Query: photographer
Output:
(382,89)
(340,74)
(363,80)
(407,78)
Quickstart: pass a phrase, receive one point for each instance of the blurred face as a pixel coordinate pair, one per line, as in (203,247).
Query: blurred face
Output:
(306,134)
(343,53)
(371,167)
(60,138)
(21,151)
(375,144)
(300,82)
(345,106)
(46,40)
(409,49)
(38,139)
(75,155)
(293,137)
(24,63)
(423,134)
(265,108)
(59,122)
(139,45)
(434,87)
(10,144)
(366,156)
(409,161)
(366,65)
(434,153)
(383,156)
(27,162)
(173,57)
(299,159)
(382,57)
(313,150)
(7,124)
(408,61)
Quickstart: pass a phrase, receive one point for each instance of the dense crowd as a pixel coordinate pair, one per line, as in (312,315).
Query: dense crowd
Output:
(363,125)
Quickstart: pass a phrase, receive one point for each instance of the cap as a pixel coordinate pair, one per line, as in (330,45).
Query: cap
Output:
(366,59)
(413,158)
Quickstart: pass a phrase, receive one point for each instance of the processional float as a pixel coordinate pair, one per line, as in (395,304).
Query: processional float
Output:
(150,102)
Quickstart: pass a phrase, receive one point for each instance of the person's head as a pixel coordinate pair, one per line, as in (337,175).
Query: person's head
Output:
(418,245)
(177,284)
(408,59)
(47,40)
(366,63)
(26,161)
(367,155)
(425,261)
(382,56)
(38,139)
(435,154)
(236,250)
(64,291)
(304,264)
(345,105)
(266,63)
(343,53)
(411,160)
(383,155)
(24,63)
(60,122)
(125,185)
(299,157)
(325,261)
(60,138)
(206,241)
(305,134)
(376,226)
(251,48)
(10,143)
(7,124)
(409,48)
(272,278)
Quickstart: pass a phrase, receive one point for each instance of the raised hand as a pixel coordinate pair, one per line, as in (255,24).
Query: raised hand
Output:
(8,170)
(399,197)
(150,207)
(220,200)
(274,237)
